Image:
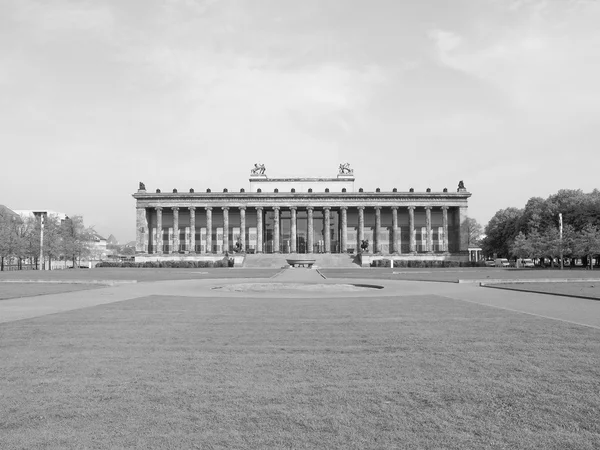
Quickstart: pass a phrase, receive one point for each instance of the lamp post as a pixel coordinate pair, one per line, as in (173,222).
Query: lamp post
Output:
(42,242)
(560,230)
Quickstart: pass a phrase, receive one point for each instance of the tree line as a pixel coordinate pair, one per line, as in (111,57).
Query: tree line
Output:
(534,231)
(21,240)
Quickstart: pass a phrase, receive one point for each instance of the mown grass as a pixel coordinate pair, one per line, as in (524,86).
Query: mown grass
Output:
(17,290)
(405,372)
(587,289)
(141,275)
(452,275)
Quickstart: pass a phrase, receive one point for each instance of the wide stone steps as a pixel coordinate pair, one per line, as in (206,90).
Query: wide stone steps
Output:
(279,260)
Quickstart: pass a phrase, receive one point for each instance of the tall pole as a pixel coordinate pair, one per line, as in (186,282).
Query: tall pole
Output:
(42,241)
(560,229)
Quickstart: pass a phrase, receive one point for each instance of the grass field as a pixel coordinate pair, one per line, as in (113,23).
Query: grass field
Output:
(579,289)
(17,290)
(399,372)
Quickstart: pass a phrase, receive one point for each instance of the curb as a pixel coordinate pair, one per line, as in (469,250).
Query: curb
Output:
(483,282)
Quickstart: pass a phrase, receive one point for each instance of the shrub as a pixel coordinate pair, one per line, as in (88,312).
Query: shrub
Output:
(226,262)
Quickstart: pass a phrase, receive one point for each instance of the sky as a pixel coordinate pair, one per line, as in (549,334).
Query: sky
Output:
(96,96)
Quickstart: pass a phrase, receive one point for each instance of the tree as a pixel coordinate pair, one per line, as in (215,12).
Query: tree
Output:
(501,231)
(473,231)
(76,239)
(587,243)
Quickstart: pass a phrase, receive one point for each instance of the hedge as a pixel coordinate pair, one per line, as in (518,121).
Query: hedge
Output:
(425,264)
(168,264)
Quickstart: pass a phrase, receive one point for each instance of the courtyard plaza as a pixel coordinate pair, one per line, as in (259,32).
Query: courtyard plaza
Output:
(296,358)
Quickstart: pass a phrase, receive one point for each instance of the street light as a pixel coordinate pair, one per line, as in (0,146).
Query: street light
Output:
(560,229)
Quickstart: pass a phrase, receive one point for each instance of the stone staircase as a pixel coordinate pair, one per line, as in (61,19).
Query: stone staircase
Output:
(322,260)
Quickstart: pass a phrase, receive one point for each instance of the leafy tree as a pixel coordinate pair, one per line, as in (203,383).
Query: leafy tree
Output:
(587,242)
(473,231)
(76,239)
(501,231)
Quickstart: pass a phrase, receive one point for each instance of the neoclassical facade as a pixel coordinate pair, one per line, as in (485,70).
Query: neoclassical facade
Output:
(300,215)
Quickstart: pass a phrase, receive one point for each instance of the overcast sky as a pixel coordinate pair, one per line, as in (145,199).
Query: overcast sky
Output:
(96,96)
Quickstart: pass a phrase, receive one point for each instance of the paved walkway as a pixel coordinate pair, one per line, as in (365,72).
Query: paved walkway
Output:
(566,309)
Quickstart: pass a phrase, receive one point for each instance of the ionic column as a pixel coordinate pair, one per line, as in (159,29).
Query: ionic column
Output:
(377,229)
(259,229)
(141,232)
(225,229)
(445,228)
(361,226)
(192,229)
(428,227)
(208,229)
(175,230)
(395,244)
(310,237)
(293,230)
(276,230)
(243,227)
(327,226)
(159,231)
(411,228)
(344,238)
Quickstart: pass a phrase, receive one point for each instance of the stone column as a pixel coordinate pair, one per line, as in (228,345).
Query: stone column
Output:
(243,227)
(293,230)
(310,237)
(395,241)
(175,230)
(361,226)
(428,227)
(225,229)
(344,237)
(208,229)
(445,228)
(192,229)
(159,231)
(141,232)
(463,233)
(276,230)
(259,229)
(411,228)
(377,246)
(327,228)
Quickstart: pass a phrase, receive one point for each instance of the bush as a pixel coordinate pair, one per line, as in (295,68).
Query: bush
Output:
(226,262)
(424,264)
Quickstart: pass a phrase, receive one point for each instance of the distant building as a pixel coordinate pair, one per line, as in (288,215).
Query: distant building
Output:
(5,211)
(302,215)
(41,213)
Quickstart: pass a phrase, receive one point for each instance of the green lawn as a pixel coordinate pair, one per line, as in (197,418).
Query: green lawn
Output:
(587,289)
(404,372)
(140,275)
(452,275)
(17,290)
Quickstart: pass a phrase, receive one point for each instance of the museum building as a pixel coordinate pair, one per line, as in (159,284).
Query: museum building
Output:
(301,215)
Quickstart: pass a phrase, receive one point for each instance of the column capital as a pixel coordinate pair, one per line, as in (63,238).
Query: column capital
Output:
(343,208)
(394,208)
(244,208)
(208,208)
(377,208)
(411,208)
(326,208)
(310,208)
(225,208)
(293,208)
(158,208)
(276,208)
(444,208)
(360,208)
(428,208)
(192,208)
(175,208)
(258,208)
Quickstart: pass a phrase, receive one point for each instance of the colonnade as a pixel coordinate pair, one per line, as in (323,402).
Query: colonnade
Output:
(395,247)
